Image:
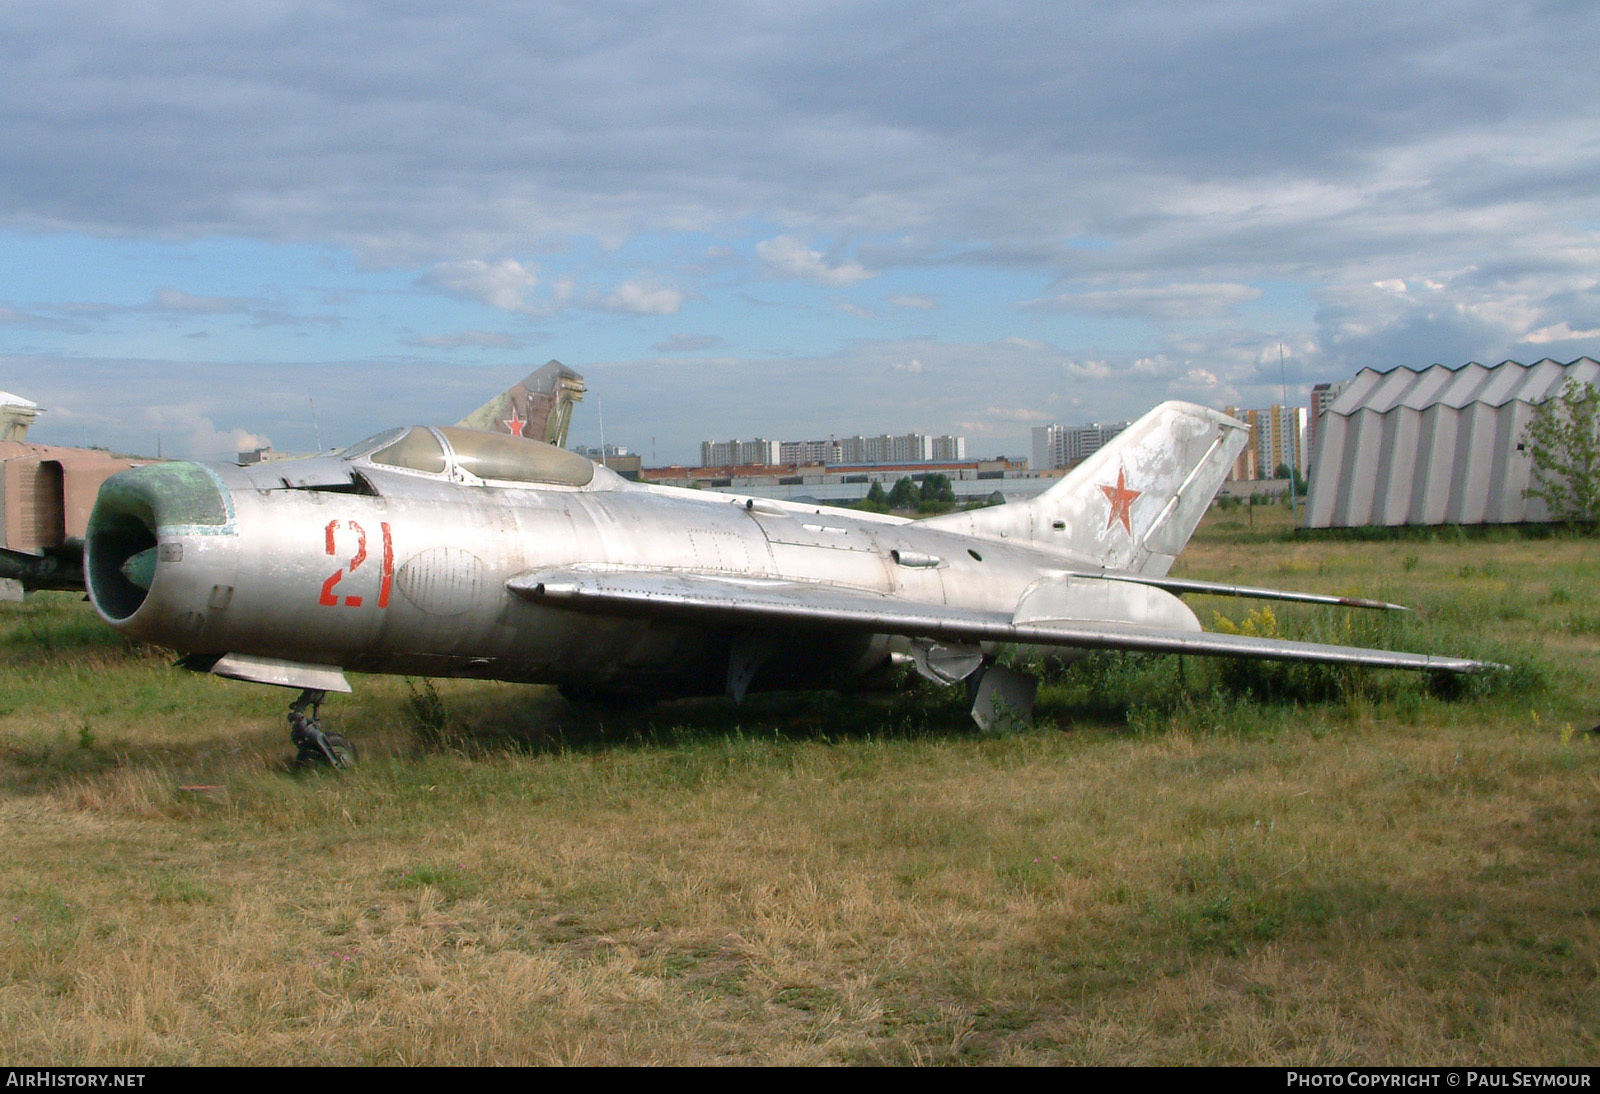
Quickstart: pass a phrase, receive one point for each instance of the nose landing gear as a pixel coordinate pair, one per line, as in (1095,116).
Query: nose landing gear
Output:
(314,745)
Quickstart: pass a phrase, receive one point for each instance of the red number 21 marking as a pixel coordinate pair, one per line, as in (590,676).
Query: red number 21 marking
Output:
(328,597)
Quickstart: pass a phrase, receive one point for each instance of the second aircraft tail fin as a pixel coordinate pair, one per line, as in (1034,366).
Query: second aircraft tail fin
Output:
(539,407)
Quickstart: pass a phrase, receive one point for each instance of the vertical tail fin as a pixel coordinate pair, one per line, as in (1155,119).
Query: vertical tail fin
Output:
(1134,503)
(539,406)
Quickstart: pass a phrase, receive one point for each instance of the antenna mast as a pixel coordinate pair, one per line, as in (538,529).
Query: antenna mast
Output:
(1294,445)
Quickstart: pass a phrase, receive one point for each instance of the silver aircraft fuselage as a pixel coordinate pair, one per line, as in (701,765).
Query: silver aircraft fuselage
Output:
(411,577)
(451,552)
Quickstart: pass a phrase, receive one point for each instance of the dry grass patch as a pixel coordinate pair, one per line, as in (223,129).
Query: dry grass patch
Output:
(1172,868)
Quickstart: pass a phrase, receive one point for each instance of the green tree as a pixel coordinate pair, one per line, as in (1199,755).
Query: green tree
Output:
(1563,441)
(936,490)
(878,495)
(904,495)
(1297,481)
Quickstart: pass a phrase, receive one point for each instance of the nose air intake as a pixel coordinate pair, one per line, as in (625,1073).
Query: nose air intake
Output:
(135,510)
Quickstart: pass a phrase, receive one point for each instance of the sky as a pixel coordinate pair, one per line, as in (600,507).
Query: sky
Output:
(285,223)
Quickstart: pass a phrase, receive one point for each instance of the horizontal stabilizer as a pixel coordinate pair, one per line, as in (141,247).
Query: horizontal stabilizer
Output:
(1215,588)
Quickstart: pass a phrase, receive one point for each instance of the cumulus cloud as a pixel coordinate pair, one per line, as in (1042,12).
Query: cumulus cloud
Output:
(642,298)
(508,285)
(503,284)
(1018,342)
(186,429)
(1373,187)
(1468,314)
(1335,131)
(788,257)
(1559,332)
(1196,379)
(1087,370)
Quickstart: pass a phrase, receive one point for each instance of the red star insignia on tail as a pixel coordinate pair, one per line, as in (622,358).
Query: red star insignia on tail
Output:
(514,424)
(1121,499)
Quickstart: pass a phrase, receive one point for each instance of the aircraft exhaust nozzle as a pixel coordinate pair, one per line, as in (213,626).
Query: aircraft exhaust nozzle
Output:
(135,513)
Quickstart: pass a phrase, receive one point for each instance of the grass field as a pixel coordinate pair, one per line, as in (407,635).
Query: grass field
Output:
(1184,862)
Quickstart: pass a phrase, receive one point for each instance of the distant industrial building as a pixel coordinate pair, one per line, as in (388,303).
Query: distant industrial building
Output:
(623,461)
(1440,446)
(1057,446)
(886,449)
(598,453)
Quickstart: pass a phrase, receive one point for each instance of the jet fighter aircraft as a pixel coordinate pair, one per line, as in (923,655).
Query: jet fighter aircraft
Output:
(448,552)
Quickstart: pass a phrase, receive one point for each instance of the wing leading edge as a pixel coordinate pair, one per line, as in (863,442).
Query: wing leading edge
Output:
(765,602)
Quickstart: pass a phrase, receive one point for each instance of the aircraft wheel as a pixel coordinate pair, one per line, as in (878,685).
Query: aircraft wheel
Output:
(339,753)
(313,745)
(344,753)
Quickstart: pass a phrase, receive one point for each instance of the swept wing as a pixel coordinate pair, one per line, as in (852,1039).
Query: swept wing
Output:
(769,603)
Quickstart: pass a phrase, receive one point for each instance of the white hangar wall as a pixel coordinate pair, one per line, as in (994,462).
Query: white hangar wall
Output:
(1439,446)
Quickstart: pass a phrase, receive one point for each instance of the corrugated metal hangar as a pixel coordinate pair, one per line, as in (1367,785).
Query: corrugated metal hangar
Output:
(1440,446)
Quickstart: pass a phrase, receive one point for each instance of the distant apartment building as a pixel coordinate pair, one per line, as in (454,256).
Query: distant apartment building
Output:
(885,448)
(1322,397)
(798,453)
(1057,446)
(908,448)
(755,453)
(1277,439)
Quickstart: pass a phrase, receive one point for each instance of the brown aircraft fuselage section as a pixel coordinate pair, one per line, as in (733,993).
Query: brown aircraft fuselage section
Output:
(46,493)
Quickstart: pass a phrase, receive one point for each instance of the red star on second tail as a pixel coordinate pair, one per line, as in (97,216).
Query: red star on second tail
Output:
(514,424)
(1121,499)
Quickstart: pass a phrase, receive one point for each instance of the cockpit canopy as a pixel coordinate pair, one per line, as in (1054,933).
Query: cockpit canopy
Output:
(494,457)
